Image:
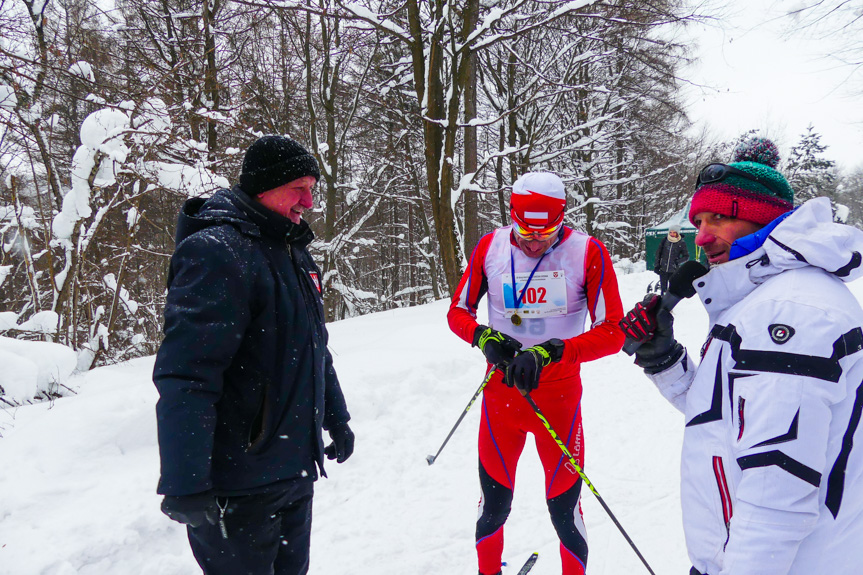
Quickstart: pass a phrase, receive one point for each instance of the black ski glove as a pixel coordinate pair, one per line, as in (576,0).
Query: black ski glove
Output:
(653,326)
(498,348)
(192,510)
(523,372)
(343,443)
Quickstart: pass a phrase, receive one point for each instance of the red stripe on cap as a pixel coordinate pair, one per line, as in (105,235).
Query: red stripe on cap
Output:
(537,211)
(736,202)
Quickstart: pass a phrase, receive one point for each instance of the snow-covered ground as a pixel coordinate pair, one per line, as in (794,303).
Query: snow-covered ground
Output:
(78,476)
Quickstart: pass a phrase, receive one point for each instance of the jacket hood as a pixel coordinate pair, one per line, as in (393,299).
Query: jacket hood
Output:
(810,237)
(236,208)
(807,237)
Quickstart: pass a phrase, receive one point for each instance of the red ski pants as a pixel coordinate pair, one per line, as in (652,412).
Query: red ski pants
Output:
(507,418)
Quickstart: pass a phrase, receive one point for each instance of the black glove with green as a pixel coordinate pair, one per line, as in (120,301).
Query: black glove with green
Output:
(523,372)
(499,349)
(192,510)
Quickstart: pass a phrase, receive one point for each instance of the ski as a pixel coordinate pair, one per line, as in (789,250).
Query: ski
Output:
(528,565)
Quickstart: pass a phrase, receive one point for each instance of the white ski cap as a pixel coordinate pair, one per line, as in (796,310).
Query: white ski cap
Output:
(542,183)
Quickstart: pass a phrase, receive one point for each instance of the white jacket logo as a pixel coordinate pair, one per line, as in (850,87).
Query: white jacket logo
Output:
(780,333)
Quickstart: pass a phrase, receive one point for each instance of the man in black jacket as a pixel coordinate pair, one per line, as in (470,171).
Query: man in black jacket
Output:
(670,255)
(246,382)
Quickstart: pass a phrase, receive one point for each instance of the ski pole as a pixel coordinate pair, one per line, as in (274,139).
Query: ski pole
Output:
(431,458)
(584,478)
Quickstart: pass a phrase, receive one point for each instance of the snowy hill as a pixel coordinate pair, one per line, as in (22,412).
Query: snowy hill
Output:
(78,476)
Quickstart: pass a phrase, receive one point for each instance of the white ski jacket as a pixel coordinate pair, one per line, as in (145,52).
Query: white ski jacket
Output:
(772,462)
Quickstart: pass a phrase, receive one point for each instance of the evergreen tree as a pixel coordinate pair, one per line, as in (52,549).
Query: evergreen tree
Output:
(809,173)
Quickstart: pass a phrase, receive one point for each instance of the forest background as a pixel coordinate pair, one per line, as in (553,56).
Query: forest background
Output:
(421,113)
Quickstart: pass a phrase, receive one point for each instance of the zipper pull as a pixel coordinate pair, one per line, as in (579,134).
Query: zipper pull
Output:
(288,246)
(222,509)
(763,260)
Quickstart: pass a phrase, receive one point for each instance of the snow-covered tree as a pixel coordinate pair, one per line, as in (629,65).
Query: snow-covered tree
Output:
(849,193)
(82,193)
(594,100)
(421,115)
(808,171)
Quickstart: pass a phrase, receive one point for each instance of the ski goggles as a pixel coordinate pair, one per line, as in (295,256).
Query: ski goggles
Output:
(712,173)
(533,234)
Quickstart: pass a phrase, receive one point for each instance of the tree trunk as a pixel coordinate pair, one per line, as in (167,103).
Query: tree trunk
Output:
(472,230)
(211,81)
(438,141)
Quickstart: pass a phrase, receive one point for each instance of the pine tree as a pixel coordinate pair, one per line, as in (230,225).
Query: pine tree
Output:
(809,173)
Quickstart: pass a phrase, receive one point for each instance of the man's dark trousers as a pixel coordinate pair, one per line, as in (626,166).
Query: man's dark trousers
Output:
(268,534)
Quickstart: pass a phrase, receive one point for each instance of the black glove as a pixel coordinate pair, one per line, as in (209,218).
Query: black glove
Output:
(343,443)
(653,326)
(192,510)
(524,371)
(498,348)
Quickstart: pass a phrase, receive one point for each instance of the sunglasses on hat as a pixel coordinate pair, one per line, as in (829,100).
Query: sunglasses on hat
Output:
(533,234)
(713,173)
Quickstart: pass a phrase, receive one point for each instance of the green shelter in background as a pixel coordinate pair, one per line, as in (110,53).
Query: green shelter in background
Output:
(653,237)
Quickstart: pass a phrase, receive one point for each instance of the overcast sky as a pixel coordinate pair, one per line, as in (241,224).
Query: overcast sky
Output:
(757,75)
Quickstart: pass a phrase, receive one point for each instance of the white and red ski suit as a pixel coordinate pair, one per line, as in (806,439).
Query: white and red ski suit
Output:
(573,280)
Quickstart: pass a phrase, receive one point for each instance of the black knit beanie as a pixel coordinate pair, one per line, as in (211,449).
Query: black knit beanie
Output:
(273,161)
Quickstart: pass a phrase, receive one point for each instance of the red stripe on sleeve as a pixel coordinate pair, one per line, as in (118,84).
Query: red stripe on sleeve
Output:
(603,300)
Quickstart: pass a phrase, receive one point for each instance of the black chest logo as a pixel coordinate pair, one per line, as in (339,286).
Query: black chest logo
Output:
(780,333)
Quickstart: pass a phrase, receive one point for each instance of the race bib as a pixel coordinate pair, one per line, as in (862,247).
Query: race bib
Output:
(545,295)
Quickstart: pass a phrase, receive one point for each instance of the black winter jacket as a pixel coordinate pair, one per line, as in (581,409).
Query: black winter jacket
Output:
(670,255)
(246,382)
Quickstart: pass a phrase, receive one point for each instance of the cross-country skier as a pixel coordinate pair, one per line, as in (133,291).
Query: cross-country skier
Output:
(772,466)
(542,280)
